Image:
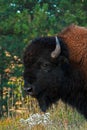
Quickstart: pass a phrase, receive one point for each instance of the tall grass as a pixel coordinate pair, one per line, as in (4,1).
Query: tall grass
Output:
(63,118)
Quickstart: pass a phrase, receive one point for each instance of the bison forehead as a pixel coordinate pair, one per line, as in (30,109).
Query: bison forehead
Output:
(43,46)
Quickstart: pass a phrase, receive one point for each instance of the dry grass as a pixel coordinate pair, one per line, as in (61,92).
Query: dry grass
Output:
(63,118)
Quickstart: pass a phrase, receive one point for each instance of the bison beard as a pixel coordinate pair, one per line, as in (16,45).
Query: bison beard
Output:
(50,79)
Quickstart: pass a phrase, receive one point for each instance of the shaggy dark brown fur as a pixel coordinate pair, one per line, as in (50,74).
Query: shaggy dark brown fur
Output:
(49,79)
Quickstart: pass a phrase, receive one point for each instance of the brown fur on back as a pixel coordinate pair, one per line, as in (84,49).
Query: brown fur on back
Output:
(76,39)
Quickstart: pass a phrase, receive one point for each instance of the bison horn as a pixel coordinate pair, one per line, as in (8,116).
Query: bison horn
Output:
(57,50)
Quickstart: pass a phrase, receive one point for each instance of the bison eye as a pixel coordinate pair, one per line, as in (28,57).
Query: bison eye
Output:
(45,66)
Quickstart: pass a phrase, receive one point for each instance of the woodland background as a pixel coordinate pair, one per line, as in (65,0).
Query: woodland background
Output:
(21,21)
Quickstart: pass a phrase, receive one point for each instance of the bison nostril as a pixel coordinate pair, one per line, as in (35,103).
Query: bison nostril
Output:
(29,89)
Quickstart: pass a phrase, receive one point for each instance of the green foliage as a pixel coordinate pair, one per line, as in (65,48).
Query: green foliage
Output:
(73,12)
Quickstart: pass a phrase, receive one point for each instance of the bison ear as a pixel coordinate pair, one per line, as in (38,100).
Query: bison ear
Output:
(65,64)
(63,60)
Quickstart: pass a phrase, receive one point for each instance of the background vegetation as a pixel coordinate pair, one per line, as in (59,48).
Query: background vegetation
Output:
(21,21)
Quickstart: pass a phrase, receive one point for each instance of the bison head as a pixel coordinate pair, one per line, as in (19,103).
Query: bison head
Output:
(46,68)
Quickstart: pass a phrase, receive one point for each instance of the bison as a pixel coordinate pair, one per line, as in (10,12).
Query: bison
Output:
(56,68)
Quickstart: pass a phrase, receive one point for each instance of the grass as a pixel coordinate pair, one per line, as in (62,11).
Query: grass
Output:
(63,118)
